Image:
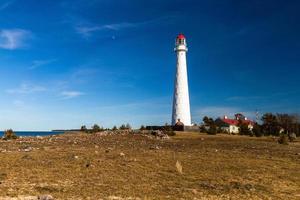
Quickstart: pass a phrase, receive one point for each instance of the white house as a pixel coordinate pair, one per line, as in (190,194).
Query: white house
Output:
(232,125)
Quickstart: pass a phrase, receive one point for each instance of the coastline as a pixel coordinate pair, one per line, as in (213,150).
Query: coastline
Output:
(34,133)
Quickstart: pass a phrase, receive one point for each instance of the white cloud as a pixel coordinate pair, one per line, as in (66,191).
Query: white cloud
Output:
(13,38)
(71,94)
(119,26)
(39,63)
(86,31)
(26,89)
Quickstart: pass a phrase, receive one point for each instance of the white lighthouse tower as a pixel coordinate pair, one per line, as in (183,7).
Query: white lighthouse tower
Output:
(181,101)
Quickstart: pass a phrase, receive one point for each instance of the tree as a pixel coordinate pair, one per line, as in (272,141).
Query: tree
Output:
(297,127)
(212,129)
(122,127)
(206,120)
(244,129)
(9,135)
(257,131)
(220,124)
(96,128)
(296,124)
(114,128)
(210,123)
(167,127)
(83,128)
(125,127)
(287,122)
(143,128)
(270,124)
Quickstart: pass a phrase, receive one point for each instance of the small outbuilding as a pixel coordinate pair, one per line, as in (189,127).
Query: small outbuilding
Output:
(179,126)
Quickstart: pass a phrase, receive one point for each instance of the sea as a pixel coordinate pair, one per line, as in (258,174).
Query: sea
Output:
(34,133)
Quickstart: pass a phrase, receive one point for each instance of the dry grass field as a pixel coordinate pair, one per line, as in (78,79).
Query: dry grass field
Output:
(187,166)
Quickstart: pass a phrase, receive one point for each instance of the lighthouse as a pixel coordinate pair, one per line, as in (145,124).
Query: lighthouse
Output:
(181,101)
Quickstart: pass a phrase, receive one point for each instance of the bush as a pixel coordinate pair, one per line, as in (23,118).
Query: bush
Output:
(244,130)
(283,139)
(122,127)
(96,128)
(167,128)
(212,130)
(258,134)
(202,129)
(257,130)
(9,135)
(170,133)
(209,125)
(83,128)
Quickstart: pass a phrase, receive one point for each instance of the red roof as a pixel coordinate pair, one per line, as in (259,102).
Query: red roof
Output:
(180,36)
(231,121)
(249,122)
(236,122)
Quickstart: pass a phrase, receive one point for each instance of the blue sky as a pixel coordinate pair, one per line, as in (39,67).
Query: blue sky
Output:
(72,62)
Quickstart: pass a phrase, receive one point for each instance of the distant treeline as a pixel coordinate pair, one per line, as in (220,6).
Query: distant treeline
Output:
(271,124)
(96,128)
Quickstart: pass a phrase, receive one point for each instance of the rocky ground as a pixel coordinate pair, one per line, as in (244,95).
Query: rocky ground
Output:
(135,166)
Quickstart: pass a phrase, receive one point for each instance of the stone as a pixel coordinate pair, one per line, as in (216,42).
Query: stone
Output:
(179,167)
(45,197)
(122,154)
(108,150)
(160,134)
(292,137)
(283,139)
(28,149)
(194,191)
(154,147)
